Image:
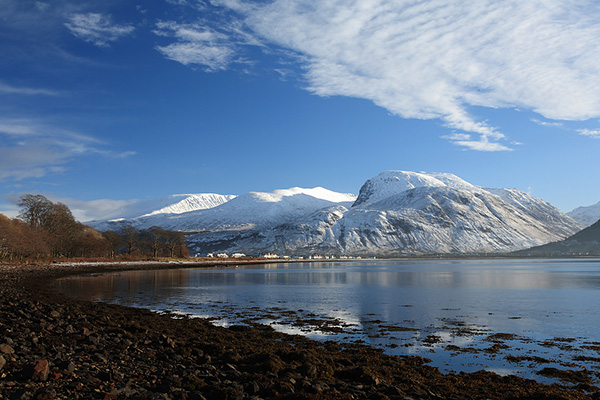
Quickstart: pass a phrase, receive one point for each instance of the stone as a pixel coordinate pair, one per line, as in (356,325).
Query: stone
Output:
(6,349)
(2,362)
(39,370)
(105,376)
(45,394)
(253,387)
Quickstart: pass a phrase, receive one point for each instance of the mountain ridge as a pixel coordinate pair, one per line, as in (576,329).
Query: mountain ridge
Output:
(395,213)
(172,204)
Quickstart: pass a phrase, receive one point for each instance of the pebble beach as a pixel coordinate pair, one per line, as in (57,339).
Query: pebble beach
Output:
(56,347)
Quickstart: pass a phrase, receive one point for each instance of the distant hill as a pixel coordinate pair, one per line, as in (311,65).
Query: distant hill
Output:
(585,242)
(586,216)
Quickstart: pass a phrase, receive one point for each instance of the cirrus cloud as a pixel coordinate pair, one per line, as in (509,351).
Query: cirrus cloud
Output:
(25,91)
(196,44)
(435,59)
(593,133)
(96,28)
(29,149)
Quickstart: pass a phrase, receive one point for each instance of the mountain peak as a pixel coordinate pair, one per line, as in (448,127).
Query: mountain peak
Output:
(280,195)
(389,183)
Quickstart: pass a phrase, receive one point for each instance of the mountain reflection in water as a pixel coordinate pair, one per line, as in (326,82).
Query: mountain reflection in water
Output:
(464,315)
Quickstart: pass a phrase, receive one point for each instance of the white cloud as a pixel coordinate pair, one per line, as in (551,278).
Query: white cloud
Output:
(198,45)
(96,28)
(593,133)
(27,91)
(483,144)
(32,150)
(41,5)
(435,59)
(547,124)
(212,57)
(457,136)
(92,210)
(9,210)
(178,2)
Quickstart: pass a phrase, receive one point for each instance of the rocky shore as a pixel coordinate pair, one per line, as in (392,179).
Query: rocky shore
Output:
(54,347)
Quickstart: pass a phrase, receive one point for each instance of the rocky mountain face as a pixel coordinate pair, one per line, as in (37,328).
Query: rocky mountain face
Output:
(395,213)
(585,242)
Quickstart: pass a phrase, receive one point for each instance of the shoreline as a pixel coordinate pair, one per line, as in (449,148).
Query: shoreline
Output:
(55,347)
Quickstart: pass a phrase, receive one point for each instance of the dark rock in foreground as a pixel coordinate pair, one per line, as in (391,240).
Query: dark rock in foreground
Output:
(68,349)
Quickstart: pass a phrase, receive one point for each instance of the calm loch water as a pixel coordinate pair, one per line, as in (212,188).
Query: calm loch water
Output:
(508,316)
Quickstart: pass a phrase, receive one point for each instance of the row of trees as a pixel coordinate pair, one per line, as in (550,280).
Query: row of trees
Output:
(48,230)
(154,242)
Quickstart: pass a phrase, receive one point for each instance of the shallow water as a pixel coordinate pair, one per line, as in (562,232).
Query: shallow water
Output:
(507,316)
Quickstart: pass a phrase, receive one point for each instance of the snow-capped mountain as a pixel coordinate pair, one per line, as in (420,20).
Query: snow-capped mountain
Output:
(174,204)
(256,210)
(586,216)
(391,183)
(399,212)
(396,212)
(251,210)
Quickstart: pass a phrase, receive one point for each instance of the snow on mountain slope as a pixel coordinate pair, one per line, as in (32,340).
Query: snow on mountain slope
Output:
(552,219)
(414,213)
(451,220)
(251,210)
(586,216)
(312,233)
(389,183)
(417,221)
(396,212)
(174,204)
(192,202)
(584,242)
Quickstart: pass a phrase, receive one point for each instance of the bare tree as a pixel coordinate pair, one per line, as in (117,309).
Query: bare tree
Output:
(35,209)
(131,238)
(64,229)
(157,239)
(115,242)
(18,240)
(177,244)
(63,234)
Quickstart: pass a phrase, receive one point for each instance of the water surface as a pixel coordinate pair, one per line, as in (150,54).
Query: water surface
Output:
(508,316)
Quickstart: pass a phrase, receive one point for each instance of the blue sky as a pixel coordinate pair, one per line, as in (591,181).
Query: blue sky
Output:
(103,102)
